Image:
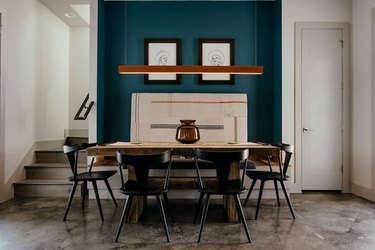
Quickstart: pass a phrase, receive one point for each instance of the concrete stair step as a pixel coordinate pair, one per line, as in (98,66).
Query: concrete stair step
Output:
(70,140)
(48,177)
(57,155)
(44,188)
(51,170)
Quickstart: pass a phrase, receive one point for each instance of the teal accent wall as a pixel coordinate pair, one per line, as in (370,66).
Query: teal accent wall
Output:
(250,24)
(277,72)
(100,71)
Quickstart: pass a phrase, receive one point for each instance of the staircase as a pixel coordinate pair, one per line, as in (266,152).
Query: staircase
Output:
(48,176)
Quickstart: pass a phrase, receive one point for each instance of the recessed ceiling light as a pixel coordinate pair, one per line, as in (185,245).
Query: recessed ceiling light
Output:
(69,15)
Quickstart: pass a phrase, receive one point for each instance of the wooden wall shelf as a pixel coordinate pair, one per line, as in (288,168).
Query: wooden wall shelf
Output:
(190,69)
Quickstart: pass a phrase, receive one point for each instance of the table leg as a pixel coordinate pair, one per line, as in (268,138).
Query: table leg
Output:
(138,203)
(136,209)
(228,200)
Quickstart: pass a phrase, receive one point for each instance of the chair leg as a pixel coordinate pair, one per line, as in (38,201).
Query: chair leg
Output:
(287,198)
(250,190)
(110,191)
(130,200)
(98,199)
(241,216)
(70,199)
(259,197)
(199,207)
(84,192)
(163,216)
(167,207)
(124,212)
(277,192)
(204,215)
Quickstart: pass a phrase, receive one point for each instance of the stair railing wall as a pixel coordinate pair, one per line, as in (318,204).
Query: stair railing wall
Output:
(82,107)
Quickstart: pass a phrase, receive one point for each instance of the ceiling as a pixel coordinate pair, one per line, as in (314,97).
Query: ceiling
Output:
(79,10)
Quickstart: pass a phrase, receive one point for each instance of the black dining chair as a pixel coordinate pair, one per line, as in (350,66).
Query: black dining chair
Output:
(275,176)
(221,185)
(143,186)
(72,151)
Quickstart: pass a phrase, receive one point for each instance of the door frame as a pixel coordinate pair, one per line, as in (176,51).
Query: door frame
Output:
(373,100)
(93,70)
(299,27)
(2,110)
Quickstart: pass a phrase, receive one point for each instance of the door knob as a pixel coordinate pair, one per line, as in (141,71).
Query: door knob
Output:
(306,130)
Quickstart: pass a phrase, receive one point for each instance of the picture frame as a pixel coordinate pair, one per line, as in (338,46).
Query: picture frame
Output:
(216,52)
(162,51)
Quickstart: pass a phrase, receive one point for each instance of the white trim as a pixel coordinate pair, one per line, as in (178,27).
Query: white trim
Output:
(373,100)
(346,115)
(93,69)
(2,110)
(299,26)
(363,192)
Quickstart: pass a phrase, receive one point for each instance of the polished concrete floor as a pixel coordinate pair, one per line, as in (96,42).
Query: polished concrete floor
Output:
(323,221)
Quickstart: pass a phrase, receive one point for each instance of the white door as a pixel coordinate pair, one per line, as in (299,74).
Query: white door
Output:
(321,87)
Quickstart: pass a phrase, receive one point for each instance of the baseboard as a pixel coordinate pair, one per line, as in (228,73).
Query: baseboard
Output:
(363,192)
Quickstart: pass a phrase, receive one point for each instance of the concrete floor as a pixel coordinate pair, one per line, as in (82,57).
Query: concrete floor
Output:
(323,221)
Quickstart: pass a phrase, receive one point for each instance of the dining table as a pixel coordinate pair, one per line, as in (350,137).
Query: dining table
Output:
(105,154)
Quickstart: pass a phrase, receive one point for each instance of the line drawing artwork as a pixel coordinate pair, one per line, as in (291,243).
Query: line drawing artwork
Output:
(216,52)
(216,58)
(162,52)
(162,57)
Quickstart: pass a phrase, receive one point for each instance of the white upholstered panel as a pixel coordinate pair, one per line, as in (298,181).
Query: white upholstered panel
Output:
(220,117)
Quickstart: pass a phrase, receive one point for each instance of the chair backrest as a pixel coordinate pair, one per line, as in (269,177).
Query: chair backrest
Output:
(222,161)
(72,152)
(287,149)
(142,164)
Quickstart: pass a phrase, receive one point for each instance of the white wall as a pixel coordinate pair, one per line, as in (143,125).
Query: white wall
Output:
(35,50)
(358,13)
(53,67)
(362,151)
(302,11)
(79,73)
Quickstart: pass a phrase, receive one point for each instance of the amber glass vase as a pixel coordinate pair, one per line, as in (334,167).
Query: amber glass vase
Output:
(187,132)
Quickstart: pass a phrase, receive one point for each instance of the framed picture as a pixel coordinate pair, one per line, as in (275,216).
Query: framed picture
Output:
(216,52)
(162,51)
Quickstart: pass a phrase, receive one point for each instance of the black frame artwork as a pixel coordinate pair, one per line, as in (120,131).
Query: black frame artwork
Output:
(162,51)
(216,52)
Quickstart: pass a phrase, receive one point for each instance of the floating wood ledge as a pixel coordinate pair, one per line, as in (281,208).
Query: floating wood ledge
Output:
(190,69)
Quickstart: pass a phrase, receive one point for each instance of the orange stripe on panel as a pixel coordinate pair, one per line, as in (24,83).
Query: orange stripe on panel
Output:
(200,102)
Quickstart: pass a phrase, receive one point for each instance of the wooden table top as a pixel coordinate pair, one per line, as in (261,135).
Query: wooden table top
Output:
(110,149)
